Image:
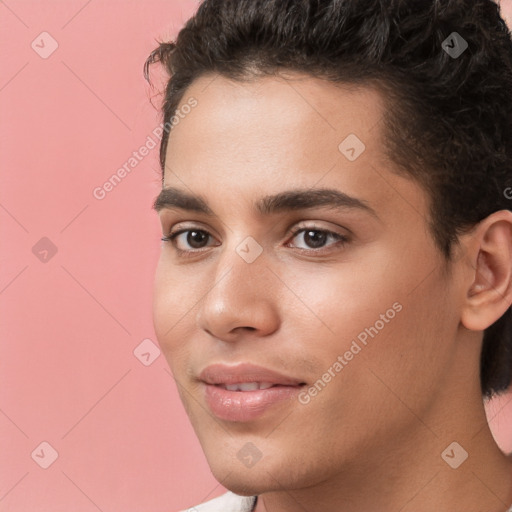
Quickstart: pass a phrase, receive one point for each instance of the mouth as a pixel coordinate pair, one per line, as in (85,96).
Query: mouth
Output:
(243,374)
(250,386)
(246,392)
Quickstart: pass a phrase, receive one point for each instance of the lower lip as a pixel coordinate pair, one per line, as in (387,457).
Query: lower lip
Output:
(246,405)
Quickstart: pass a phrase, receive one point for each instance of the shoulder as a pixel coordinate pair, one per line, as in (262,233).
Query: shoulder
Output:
(228,502)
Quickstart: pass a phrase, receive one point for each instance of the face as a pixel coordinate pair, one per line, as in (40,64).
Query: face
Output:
(339,300)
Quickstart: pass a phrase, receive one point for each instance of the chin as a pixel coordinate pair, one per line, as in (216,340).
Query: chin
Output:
(230,471)
(247,483)
(267,475)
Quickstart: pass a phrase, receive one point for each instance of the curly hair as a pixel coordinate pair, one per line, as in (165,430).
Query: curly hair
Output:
(448,121)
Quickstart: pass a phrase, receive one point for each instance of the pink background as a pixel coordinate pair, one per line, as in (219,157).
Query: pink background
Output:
(72,320)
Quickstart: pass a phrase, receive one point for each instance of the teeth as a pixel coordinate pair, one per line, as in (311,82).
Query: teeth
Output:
(248,386)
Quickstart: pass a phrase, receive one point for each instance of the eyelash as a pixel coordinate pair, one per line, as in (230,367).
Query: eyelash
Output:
(342,239)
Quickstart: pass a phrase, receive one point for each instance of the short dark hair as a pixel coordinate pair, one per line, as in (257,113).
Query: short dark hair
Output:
(448,121)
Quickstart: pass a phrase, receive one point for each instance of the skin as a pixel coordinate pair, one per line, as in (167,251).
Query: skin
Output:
(506,11)
(372,439)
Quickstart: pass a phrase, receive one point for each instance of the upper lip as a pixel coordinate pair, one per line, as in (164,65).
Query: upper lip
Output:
(244,372)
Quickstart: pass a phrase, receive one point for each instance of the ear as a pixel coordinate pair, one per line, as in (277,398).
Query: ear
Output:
(489,290)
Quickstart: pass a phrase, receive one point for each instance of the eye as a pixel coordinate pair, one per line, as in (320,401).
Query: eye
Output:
(315,238)
(190,241)
(195,239)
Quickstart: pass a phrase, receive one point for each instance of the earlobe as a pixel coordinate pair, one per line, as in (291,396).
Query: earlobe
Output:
(489,293)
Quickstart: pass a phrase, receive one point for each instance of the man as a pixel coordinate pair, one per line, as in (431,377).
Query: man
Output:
(333,293)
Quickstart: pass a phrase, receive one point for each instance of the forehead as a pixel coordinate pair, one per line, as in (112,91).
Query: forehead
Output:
(290,104)
(256,137)
(291,116)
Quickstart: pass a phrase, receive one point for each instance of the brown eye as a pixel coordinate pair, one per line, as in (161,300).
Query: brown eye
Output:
(194,239)
(315,238)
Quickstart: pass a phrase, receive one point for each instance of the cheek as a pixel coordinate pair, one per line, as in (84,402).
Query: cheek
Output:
(173,304)
(385,312)
(345,298)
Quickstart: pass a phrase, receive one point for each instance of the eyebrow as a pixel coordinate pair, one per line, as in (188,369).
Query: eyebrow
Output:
(288,200)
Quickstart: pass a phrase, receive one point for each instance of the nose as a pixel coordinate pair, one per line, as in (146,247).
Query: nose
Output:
(242,297)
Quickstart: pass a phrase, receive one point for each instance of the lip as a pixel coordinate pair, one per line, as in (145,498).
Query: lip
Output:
(243,406)
(244,372)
